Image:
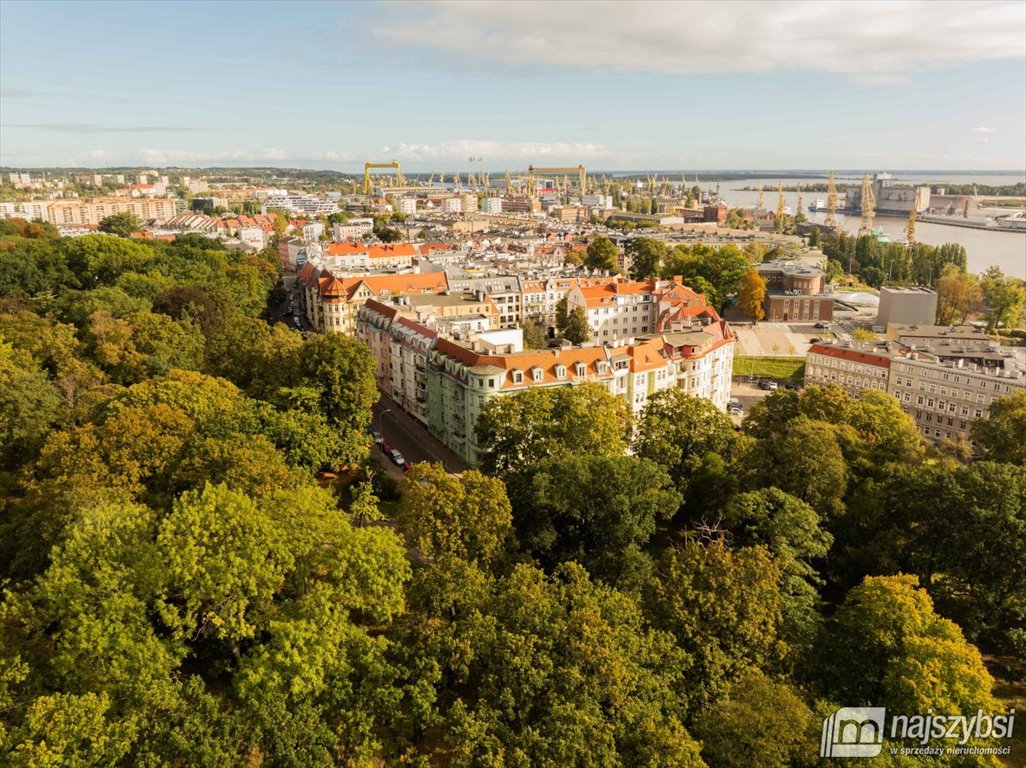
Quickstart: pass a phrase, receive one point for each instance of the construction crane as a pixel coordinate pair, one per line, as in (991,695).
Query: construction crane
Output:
(431,181)
(780,206)
(400,180)
(471,180)
(831,217)
(533,171)
(441,179)
(868,203)
(910,228)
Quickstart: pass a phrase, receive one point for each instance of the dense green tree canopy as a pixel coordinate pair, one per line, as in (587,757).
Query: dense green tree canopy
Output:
(602,254)
(183,586)
(600,511)
(520,430)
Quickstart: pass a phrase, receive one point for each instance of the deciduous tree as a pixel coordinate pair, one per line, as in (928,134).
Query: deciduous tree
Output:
(751,294)
(602,254)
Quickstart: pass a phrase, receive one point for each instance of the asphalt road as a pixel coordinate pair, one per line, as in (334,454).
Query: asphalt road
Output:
(283,314)
(413,441)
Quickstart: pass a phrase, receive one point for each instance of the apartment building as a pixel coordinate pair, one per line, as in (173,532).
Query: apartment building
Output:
(353,230)
(620,310)
(539,297)
(854,367)
(90,212)
(461,380)
(704,356)
(944,397)
(331,302)
(362,256)
(31,210)
(466,309)
(310,205)
(504,290)
(405,205)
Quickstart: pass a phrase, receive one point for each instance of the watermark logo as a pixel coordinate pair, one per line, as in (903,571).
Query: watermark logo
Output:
(853,732)
(860,731)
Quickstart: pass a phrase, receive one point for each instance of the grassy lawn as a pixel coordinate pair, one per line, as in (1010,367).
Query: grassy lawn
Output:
(778,368)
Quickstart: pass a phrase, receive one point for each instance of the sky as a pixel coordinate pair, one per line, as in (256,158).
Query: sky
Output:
(610,85)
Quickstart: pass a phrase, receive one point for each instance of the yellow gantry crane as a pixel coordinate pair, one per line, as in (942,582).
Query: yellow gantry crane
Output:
(400,180)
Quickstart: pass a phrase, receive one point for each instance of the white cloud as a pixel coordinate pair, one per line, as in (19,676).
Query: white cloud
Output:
(984,129)
(859,38)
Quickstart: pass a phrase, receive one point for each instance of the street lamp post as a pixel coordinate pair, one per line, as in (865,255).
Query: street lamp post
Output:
(380,415)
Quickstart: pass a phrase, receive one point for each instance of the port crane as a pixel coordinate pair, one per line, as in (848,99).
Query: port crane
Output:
(831,217)
(780,206)
(534,171)
(868,203)
(910,228)
(400,180)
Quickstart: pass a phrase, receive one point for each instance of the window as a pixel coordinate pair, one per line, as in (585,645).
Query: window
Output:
(560,371)
(518,376)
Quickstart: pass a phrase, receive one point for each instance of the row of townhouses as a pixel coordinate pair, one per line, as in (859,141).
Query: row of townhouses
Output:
(442,369)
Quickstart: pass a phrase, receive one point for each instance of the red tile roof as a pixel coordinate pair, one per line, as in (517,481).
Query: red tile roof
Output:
(852,355)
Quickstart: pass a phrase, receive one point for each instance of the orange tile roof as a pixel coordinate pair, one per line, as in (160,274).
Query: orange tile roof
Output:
(647,355)
(373,251)
(852,355)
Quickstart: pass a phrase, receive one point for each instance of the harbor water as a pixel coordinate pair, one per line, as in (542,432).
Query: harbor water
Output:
(984,248)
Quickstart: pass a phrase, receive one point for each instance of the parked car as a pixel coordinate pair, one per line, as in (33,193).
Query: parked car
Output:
(386,448)
(397,458)
(821,325)
(736,410)
(378,438)
(768,385)
(733,403)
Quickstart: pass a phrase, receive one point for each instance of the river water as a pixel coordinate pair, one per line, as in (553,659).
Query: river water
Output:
(1007,250)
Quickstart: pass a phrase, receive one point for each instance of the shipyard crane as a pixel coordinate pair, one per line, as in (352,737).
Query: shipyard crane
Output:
(456,182)
(780,206)
(831,217)
(758,204)
(400,180)
(910,228)
(798,200)
(868,203)
(534,171)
